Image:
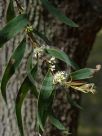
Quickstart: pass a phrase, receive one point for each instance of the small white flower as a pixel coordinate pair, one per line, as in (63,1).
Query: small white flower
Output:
(52,59)
(52,62)
(52,68)
(59,77)
(38,51)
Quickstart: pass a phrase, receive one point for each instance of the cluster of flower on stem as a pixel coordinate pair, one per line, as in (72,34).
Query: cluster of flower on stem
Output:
(61,77)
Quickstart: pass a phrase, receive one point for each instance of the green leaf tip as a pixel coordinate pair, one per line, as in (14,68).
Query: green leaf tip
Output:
(58,14)
(10,11)
(62,56)
(54,121)
(81,74)
(73,102)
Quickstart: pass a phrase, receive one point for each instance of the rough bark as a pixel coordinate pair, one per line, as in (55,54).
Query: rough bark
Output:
(77,42)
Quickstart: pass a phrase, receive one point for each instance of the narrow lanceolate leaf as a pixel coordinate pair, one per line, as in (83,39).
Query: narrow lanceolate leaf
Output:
(57,123)
(29,67)
(73,102)
(82,74)
(25,87)
(10,11)
(45,99)
(13,28)
(12,66)
(58,14)
(62,56)
(42,36)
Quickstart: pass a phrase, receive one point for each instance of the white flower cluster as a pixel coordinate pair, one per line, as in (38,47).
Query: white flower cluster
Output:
(39,51)
(60,77)
(52,62)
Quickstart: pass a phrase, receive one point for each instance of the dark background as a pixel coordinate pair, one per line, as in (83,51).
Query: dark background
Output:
(90,122)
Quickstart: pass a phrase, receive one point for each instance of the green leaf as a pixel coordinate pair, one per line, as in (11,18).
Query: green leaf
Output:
(42,36)
(29,67)
(57,123)
(10,11)
(58,14)
(13,28)
(45,99)
(61,56)
(82,74)
(25,87)
(73,102)
(12,66)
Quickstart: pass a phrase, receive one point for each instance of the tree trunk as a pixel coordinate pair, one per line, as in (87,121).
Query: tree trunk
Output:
(76,42)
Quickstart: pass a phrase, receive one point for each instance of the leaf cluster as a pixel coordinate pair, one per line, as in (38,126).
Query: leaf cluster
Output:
(45,96)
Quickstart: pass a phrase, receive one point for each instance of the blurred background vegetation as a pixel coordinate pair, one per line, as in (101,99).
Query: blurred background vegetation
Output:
(90,123)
